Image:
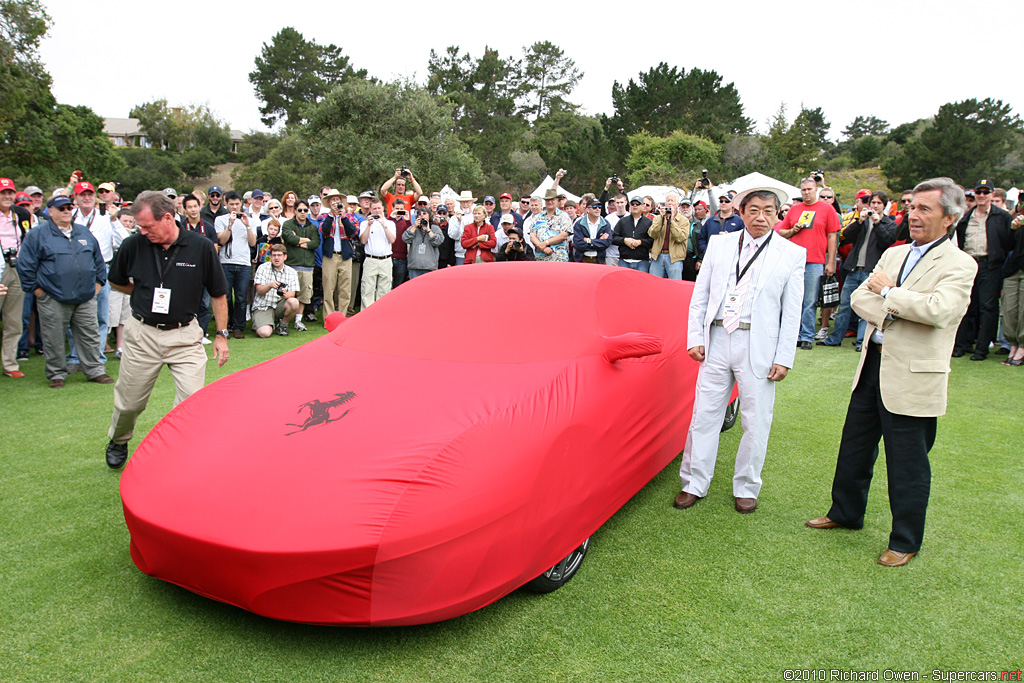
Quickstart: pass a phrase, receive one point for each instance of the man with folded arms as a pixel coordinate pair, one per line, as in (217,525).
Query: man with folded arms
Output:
(912,302)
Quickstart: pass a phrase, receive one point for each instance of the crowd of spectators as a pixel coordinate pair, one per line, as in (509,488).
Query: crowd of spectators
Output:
(292,261)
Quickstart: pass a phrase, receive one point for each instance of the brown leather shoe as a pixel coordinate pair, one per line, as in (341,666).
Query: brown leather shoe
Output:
(56,384)
(684,500)
(238,334)
(746,505)
(102,379)
(822,523)
(893,558)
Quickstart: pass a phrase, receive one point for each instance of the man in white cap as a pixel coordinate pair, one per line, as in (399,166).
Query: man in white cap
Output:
(463,215)
(743,325)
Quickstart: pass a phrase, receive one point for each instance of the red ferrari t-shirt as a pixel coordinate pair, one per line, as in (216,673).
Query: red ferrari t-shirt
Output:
(817,221)
(409,198)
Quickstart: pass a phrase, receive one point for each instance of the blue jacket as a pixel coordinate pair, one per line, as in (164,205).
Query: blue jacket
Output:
(596,243)
(66,269)
(713,226)
(327,236)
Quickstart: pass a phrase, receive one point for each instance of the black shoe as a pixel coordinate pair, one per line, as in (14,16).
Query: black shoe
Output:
(806,346)
(22,356)
(117,453)
(1001,351)
(957,353)
(978,355)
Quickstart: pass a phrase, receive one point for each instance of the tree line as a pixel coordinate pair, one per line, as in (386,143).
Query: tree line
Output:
(486,121)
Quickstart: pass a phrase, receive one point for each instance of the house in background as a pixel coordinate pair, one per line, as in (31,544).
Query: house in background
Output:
(126,133)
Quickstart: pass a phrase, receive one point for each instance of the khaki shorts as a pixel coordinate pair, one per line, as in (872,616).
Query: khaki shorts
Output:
(305,294)
(268,316)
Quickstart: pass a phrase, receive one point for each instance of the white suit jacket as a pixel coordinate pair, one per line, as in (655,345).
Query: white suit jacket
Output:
(776,307)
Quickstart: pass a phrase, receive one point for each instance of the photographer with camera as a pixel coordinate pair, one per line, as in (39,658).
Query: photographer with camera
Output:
(515,249)
(670,230)
(423,240)
(403,176)
(236,235)
(377,234)
(15,222)
(402,218)
(275,303)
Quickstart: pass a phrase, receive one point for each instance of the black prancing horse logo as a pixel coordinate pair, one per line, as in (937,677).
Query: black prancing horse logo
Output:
(320,412)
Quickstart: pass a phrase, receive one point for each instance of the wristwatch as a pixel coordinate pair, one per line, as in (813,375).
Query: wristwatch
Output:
(223,333)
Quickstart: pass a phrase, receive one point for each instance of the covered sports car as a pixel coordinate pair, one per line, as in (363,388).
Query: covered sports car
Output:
(460,438)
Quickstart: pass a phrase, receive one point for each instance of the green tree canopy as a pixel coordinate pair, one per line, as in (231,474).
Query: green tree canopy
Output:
(666,99)
(801,142)
(148,169)
(576,143)
(674,159)
(285,165)
(292,73)
(548,77)
(865,125)
(182,128)
(363,131)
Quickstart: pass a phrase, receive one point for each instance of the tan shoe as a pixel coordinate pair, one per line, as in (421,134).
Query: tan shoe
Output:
(684,500)
(746,505)
(822,523)
(893,558)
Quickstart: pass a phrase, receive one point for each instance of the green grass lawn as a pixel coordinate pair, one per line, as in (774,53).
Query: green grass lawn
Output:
(704,594)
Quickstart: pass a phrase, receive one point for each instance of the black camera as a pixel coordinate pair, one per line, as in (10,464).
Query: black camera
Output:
(818,175)
(405,172)
(422,222)
(11,257)
(375,217)
(615,179)
(704,174)
(516,245)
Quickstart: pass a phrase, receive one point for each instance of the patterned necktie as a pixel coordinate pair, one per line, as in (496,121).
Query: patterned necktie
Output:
(732,319)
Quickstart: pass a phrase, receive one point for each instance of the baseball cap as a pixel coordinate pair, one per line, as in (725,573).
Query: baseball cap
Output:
(489,198)
(863,194)
(969,193)
(594,203)
(32,189)
(351,199)
(107,186)
(423,199)
(84,186)
(215,189)
(984,183)
(170,192)
(442,209)
(313,199)
(367,195)
(505,195)
(702,203)
(247,196)
(685,200)
(22,198)
(7,184)
(636,200)
(257,194)
(507,218)
(59,200)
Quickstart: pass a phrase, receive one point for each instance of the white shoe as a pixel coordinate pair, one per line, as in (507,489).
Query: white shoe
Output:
(206,340)
(299,325)
(822,334)
(248,314)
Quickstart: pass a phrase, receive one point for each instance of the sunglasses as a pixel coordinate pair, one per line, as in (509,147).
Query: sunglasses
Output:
(301,210)
(723,200)
(66,207)
(983,192)
(826,196)
(214,194)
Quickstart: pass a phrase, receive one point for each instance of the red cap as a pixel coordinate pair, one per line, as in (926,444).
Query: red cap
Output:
(702,203)
(505,195)
(22,198)
(861,194)
(6,184)
(84,187)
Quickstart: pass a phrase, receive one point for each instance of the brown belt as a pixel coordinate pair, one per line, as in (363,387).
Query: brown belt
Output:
(588,259)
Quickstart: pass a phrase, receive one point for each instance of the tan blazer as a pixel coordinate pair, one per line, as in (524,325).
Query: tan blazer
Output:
(680,227)
(918,339)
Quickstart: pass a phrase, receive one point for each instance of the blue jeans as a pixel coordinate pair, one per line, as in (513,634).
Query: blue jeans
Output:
(812,283)
(416,272)
(850,282)
(642,266)
(238,285)
(26,318)
(459,260)
(399,271)
(102,317)
(203,316)
(663,267)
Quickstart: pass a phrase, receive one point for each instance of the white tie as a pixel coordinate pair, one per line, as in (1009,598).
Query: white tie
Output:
(732,319)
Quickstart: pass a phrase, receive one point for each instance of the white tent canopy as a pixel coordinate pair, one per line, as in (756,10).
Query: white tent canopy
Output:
(658,192)
(748,181)
(548,183)
(447,192)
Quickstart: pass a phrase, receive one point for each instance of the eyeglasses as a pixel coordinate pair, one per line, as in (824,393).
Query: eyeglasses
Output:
(725,200)
(906,201)
(825,196)
(65,207)
(983,191)
(102,190)
(214,194)
(301,210)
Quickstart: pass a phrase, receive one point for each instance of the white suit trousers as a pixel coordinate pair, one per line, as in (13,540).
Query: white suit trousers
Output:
(727,361)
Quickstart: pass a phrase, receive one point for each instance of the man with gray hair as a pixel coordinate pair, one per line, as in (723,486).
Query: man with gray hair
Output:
(912,302)
(165,270)
(670,230)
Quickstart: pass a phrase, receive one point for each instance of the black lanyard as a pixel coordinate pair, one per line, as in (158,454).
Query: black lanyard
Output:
(167,265)
(903,276)
(739,273)
(92,217)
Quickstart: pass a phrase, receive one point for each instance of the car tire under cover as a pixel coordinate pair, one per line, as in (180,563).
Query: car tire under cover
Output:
(732,411)
(559,575)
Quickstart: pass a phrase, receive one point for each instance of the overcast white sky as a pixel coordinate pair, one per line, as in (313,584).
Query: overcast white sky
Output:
(895,59)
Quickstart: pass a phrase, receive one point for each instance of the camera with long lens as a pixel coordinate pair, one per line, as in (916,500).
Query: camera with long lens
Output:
(11,257)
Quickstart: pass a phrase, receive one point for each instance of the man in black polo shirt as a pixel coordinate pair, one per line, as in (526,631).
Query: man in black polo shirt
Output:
(165,270)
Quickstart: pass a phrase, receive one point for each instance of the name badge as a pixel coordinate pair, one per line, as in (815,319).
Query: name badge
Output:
(422,249)
(732,304)
(162,300)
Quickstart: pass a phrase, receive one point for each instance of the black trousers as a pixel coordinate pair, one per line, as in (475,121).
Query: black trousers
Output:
(907,442)
(980,323)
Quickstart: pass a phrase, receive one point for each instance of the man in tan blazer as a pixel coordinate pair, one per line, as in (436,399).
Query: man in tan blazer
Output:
(912,302)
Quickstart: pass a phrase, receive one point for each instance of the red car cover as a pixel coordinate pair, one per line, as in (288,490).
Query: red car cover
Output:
(430,455)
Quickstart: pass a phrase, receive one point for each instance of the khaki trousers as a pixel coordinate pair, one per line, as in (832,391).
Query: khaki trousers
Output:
(376,279)
(1013,309)
(11,304)
(337,278)
(146,351)
(357,269)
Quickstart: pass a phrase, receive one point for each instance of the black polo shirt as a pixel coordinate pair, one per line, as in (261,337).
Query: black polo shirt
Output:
(190,265)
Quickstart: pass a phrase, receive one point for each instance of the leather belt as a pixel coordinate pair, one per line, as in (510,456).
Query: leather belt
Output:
(161,326)
(721,323)
(381,258)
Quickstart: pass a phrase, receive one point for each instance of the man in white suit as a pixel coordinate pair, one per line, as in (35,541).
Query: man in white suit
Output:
(743,326)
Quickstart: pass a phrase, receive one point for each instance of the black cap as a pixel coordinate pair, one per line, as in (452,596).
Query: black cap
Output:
(593,203)
(984,183)
(636,200)
(441,209)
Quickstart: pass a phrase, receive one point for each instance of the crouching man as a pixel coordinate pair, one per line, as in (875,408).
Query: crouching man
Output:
(275,304)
